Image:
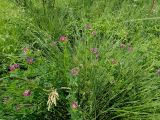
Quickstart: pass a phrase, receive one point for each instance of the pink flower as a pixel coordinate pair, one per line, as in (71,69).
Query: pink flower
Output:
(94,50)
(74,105)
(25,50)
(13,67)
(16,65)
(27,93)
(63,38)
(30,60)
(75,71)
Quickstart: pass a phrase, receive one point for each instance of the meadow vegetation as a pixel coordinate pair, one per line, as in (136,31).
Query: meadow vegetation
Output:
(79,60)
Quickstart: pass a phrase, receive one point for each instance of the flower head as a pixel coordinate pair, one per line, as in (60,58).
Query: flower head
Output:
(30,60)
(74,105)
(13,67)
(27,93)
(25,50)
(63,38)
(94,50)
(74,71)
(16,65)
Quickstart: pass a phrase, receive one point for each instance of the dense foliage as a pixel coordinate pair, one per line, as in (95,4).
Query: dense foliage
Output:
(79,60)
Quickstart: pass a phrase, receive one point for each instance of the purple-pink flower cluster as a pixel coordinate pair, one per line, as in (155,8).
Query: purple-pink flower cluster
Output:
(25,50)
(95,51)
(129,48)
(74,105)
(13,67)
(27,93)
(74,71)
(89,27)
(30,60)
(63,38)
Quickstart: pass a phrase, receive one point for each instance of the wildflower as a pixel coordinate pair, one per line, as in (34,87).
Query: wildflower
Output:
(13,67)
(88,26)
(75,71)
(30,60)
(158,71)
(25,50)
(94,50)
(93,33)
(74,105)
(122,45)
(52,98)
(27,93)
(16,65)
(63,38)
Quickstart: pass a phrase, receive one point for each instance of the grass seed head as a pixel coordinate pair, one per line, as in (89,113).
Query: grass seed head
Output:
(52,98)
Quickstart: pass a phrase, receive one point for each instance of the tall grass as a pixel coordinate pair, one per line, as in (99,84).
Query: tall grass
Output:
(108,64)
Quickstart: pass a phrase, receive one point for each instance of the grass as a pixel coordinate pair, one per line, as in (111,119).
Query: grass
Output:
(100,57)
